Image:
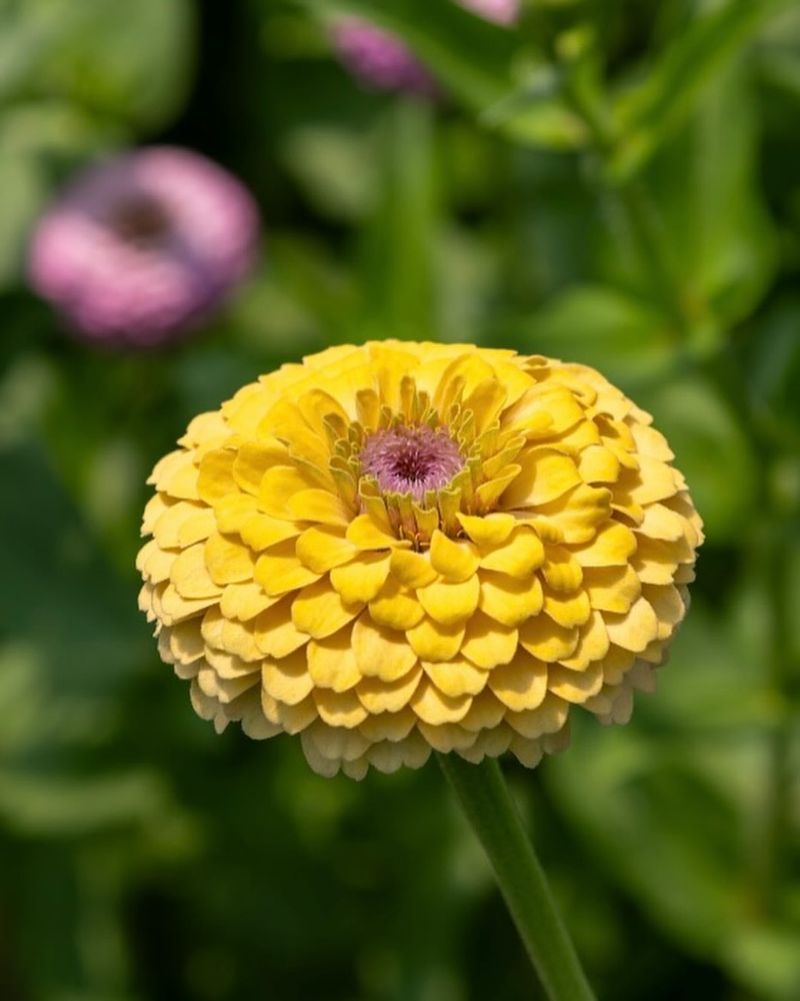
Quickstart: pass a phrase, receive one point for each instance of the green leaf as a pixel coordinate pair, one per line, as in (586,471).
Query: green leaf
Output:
(651,112)
(625,337)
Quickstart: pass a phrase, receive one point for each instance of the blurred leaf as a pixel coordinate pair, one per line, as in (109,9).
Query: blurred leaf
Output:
(135,68)
(39,142)
(537,114)
(657,107)
(706,213)
(626,338)
(711,450)
(774,371)
(62,598)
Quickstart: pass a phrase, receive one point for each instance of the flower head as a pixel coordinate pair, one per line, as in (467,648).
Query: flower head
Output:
(400,547)
(144,243)
(382,60)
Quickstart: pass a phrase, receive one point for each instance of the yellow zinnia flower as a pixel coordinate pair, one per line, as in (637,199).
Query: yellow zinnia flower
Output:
(403,547)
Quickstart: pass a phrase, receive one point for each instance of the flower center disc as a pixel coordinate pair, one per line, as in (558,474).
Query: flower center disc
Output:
(139,219)
(411,460)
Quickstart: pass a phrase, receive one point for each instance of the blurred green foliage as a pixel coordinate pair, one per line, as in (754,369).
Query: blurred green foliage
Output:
(611,182)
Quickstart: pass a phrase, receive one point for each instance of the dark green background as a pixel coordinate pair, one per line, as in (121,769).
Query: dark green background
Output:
(617,182)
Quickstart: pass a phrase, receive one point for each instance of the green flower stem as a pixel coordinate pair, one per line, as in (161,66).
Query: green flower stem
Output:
(487,804)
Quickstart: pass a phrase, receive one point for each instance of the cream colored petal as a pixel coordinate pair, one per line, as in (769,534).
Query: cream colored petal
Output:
(520,684)
(275,632)
(292,719)
(447,737)
(488,744)
(413,752)
(390,726)
(485,712)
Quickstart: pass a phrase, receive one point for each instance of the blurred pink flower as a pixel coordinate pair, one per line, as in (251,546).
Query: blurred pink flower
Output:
(142,244)
(382,60)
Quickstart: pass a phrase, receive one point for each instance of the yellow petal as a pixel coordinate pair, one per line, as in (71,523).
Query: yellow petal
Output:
(661,522)
(365,532)
(634,630)
(567,609)
(450,603)
(550,717)
(275,632)
(456,561)
(395,606)
(389,696)
(190,575)
(434,642)
(485,713)
(508,600)
(456,677)
(612,589)
(171,607)
(592,645)
(518,557)
(577,514)
(279,485)
(520,684)
(490,531)
(292,719)
(598,464)
(228,562)
(487,643)
(668,605)
(547,640)
(320,611)
(322,549)
(215,475)
(613,545)
(253,459)
(391,726)
(361,580)
(153,563)
(381,653)
(436,708)
(575,686)
(244,601)
(332,662)
(339,708)
(412,569)
(561,570)
(547,474)
(287,680)
(260,531)
(279,570)
(655,481)
(318,505)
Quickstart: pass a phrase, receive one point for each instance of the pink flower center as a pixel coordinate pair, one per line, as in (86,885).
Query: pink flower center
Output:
(411,460)
(139,219)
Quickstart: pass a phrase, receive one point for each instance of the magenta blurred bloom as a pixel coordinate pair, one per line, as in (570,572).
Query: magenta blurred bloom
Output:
(143,244)
(382,60)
